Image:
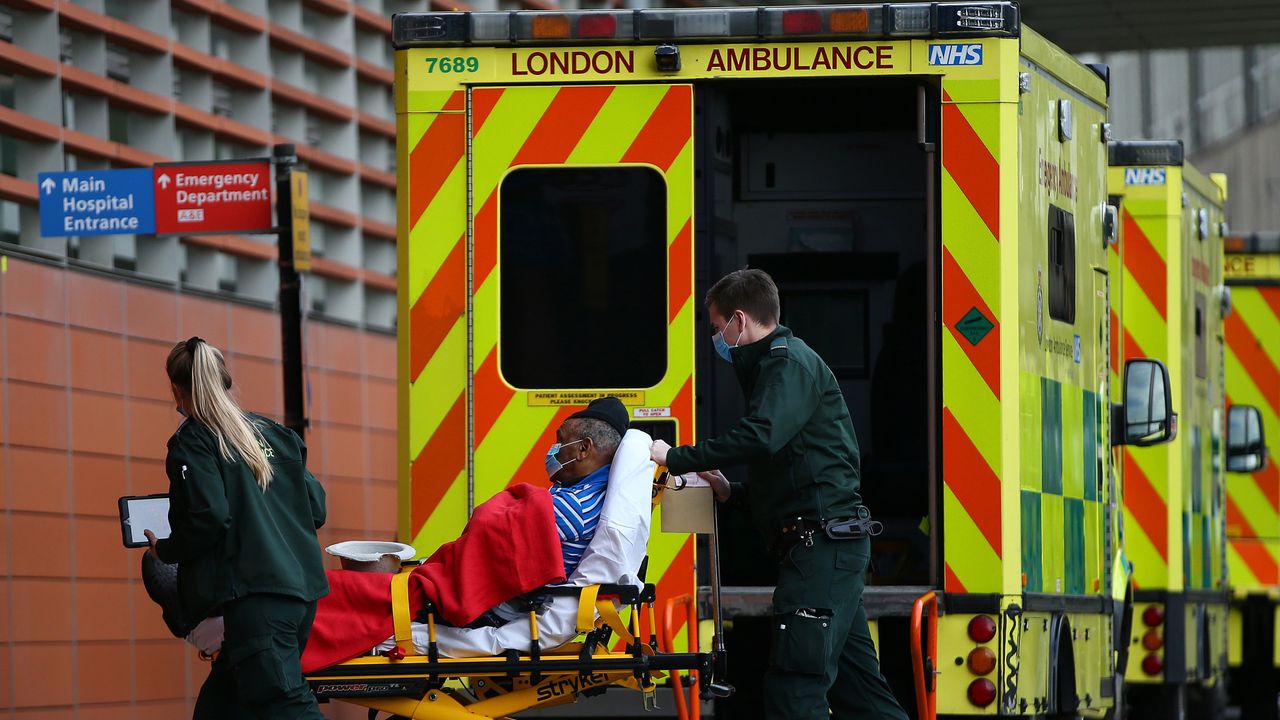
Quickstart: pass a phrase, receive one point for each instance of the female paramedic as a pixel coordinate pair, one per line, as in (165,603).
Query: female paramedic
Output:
(244,512)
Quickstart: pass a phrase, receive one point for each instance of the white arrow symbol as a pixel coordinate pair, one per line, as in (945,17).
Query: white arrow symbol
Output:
(48,186)
(163,181)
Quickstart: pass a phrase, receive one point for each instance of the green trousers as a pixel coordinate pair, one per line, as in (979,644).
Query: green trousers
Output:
(822,663)
(259,672)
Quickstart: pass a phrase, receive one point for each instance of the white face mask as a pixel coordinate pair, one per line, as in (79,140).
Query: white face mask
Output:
(553,463)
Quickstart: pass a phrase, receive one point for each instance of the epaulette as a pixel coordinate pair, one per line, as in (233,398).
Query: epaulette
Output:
(778,348)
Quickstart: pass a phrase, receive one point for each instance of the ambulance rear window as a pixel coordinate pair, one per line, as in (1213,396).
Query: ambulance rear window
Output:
(583,260)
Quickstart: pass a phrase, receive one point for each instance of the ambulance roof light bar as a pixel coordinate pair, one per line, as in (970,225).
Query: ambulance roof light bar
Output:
(891,20)
(1128,153)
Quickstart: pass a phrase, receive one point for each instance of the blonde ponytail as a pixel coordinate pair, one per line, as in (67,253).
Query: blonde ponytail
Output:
(198,367)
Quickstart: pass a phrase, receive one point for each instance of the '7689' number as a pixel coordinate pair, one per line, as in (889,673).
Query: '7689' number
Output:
(453,64)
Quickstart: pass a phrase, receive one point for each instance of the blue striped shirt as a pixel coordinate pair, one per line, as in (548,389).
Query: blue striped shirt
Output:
(577,509)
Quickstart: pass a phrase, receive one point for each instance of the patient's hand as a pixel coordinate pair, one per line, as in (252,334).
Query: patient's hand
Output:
(658,452)
(718,482)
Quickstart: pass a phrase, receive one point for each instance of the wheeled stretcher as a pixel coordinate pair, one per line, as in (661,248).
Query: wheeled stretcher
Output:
(571,640)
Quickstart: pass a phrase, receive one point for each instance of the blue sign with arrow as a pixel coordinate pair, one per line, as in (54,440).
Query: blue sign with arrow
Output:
(97,202)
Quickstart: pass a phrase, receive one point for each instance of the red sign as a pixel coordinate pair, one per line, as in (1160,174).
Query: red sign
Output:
(213,197)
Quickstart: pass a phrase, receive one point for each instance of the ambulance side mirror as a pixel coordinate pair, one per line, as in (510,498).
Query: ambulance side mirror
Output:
(1144,417)
(1246,442)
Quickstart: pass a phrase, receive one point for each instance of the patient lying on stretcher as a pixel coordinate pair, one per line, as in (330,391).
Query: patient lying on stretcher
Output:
(508,549)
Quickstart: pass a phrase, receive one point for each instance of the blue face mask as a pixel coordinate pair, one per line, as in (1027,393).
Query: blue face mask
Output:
(722,347)
(553,463)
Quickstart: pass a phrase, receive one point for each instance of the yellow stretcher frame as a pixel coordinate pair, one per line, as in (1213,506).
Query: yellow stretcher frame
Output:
(429,687)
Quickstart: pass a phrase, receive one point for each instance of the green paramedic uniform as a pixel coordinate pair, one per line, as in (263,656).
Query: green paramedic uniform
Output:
(253,555)
(797,441)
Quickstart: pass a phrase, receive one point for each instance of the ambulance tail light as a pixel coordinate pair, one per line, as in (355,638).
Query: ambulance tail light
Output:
(544,27)
(1152,640)
(697,24)
(854,21)
(982,628)
(982,661)
(982,692)
(1152,664)
(910,20)
(1153,616)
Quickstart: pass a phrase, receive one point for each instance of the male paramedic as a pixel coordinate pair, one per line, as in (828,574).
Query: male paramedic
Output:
(797,441)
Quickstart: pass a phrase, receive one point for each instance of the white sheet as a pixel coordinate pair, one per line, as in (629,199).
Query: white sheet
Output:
(614,556)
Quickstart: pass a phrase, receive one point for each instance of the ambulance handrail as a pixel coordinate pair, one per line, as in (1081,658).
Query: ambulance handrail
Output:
(923,666)
(690,709)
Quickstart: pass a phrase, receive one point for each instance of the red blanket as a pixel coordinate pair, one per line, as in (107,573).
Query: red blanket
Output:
(508,548)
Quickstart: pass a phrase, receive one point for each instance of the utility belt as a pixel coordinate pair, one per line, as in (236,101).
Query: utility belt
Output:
(802,530)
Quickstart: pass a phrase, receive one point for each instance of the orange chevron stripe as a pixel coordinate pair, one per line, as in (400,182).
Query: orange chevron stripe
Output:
(951,583)
(958,297)
(433,159)
(482,102)
(436,311)
(972,480)
(441,461)
(680,270)
(682,409)
(1254,358)
(568,116)
(1268,480)
(1145,264)
(667,130)
(1142,500)
(1271,296)
(676,580)
(1132,351)
(971,165)
(492,396)
(1254,554)
(1259,559)
(456,102)
(1116,347)
(485,256)
(533,469)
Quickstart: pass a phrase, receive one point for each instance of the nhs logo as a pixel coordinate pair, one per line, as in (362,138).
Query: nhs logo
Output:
(955,54)
(1143,176)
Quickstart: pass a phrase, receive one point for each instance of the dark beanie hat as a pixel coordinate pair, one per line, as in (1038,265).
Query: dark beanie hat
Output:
(609,409)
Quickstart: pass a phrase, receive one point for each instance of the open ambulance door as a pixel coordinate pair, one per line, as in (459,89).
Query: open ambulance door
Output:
(580,275)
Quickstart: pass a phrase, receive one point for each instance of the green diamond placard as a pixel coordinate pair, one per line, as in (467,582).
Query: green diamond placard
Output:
(974,326)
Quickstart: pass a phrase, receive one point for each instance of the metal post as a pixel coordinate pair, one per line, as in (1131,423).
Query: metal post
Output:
(290,293)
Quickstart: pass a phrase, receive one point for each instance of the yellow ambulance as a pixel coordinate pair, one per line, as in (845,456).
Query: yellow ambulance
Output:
(927,185)
(1252,268)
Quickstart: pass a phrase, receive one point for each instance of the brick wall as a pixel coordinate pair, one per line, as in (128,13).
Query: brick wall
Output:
(85,412)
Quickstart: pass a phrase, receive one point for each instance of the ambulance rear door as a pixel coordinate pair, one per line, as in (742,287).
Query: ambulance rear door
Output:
(580,281)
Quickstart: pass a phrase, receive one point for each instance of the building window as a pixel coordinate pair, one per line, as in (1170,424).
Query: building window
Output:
(575,244)
(6,90)
(1062,265)
(221,103)
(6,24)
(177,85)
(117,63)
(9,221)
(118,124)
(66,46)
(221,42)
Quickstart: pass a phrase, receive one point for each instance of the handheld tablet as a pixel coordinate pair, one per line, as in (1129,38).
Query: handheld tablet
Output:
(143,512)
